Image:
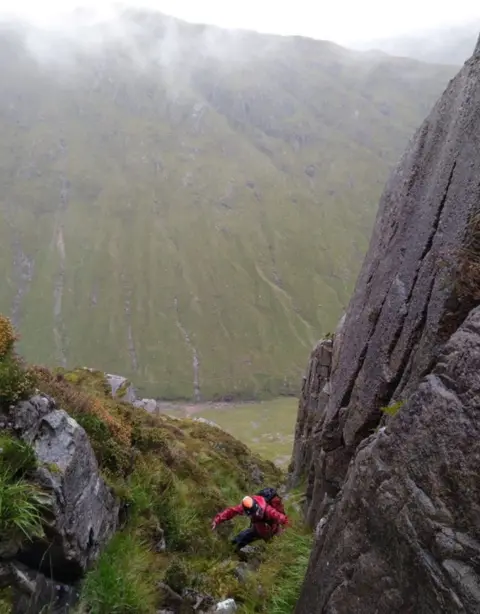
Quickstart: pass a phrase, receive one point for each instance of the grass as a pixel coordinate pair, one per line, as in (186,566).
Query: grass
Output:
(20,509)
(235,206)
(121,582)
(21,502)
(267,428)
(282,573)
(172,476)
(6,600)
(183,473)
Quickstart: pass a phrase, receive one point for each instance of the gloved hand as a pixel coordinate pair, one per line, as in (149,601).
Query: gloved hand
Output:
(214,525)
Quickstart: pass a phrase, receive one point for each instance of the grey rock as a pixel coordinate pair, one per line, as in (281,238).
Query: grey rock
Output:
(149,405)
(83,511)
(228,606)
(311,411)
(198,601)
(33,592)
(27,415)
(241,572)
(161,544)
(117,383)
(205,421)
(404,536)
(405,305)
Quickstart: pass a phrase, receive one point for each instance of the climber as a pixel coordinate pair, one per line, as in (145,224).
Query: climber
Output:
(266,513)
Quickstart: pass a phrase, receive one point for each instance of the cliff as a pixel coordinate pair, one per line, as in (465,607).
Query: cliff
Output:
(395,506)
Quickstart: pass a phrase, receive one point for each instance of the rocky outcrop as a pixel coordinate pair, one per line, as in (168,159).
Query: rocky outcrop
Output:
(149,405)
(404,535)
(408,299)
(395,500)
(121,388)
(313,400)
(311,411)
(83,511)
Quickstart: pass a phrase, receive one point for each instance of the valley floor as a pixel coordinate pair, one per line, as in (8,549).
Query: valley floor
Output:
(267,427)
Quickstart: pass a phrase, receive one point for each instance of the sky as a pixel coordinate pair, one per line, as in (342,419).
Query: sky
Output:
(344,21)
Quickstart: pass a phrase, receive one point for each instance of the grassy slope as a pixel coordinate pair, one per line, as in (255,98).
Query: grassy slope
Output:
(229,200)
(267,428)
(171,475)
(183,473)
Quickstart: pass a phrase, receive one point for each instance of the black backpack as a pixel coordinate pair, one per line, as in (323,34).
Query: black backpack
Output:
(272,497)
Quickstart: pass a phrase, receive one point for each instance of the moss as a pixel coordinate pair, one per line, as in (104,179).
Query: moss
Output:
(392,410)
(53,468)
(6,600)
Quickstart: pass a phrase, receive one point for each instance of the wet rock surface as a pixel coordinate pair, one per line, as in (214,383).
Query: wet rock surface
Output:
(83,512)
(404,536)
(395,500)
(406,304)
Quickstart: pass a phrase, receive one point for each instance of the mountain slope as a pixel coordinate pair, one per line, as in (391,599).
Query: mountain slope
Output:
(453,45)
(189,206)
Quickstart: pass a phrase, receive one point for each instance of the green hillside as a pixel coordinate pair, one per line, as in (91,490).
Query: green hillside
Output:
(190,207)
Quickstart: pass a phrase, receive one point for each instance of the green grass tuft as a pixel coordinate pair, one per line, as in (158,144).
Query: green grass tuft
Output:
(17,456)
(121,581)
(21,505)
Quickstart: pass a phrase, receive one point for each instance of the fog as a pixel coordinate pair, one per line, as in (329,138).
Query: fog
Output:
(345,22)
(58,33)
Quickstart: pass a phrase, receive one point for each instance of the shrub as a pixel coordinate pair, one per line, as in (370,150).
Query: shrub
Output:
(16,383)
(7,336)
(122,581)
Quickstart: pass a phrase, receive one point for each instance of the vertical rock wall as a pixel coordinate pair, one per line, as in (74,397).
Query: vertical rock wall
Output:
(398,504)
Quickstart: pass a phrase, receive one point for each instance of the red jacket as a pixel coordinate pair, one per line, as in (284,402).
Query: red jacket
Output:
(266,525)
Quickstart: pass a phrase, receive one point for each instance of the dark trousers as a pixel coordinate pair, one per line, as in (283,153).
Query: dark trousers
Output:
(245,537)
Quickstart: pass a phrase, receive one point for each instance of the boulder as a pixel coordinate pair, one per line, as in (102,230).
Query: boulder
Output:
(121,388)
(226,607)
(404,534)
(149,405)
(84,512)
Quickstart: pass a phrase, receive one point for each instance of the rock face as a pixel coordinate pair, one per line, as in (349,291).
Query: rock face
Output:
(407,300)
(314,398)
(404,536)
(84,511)
(396,500)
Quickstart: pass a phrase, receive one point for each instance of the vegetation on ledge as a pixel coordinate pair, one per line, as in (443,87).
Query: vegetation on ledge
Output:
(172,476)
